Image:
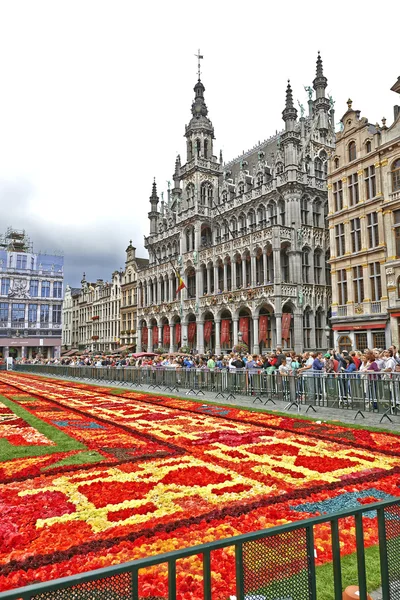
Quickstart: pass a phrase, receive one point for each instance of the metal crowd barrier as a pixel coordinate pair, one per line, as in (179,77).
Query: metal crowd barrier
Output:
(358,391)
(278,563)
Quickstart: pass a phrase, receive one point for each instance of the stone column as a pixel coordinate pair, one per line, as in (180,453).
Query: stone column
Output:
(381,229)
(160,332)
(150,339)
(350,287)
(389,237)
(265,266)
(298,333)
(244,282)
(139,339)
(200,336)
(208,280)
(278,326)
(171,288)
(217,336)
(256,345)
(184,334)
(225,277)
(364,233)
(215,279)
(171,338)
(233,274)
(253,271)
(277,265)
(199,283)
(235,331)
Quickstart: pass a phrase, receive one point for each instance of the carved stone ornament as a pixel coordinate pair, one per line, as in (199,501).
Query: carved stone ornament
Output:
(19,289)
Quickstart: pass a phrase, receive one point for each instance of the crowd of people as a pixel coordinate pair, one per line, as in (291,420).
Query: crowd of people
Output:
(279,361)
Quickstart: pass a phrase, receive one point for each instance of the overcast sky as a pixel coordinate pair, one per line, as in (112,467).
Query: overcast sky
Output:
(95,94)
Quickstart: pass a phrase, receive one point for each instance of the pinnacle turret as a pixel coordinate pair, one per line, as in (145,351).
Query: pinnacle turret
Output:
(289,115)
(289,96)
(320,82)
(154,198)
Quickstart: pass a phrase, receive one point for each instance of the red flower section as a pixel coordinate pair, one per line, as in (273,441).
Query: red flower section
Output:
(155,474)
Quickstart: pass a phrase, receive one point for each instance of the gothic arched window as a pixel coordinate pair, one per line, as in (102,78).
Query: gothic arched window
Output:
(336,163)
(259,179)
(205,148)
(198,147)
(318,168)
(272,213)
(368,147)
(317,213)
(352,151)
(307,328)
(190,194)
(319,315)
(240,189)
(304,210)
(305,265)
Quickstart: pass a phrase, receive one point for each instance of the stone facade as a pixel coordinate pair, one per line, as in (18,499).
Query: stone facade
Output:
(248,238)
(129,296)
(364,224)
(31,291)
(91,315)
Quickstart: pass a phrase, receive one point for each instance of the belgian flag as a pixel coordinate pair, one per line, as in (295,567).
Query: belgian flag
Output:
(181,284)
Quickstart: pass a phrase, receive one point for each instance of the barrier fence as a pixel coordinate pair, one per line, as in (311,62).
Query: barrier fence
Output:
(272,564)
(359,391)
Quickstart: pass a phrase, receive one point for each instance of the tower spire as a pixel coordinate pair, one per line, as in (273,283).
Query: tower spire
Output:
(320,82)
(199,58)
(289,114)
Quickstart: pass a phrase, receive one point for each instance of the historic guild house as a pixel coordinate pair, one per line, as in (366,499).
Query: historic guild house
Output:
(248,238)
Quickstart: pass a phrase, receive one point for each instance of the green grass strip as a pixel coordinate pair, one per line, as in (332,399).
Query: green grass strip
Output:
(81,458)
(64,443)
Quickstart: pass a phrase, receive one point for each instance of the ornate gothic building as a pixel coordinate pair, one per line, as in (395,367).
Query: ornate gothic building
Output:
(248,238)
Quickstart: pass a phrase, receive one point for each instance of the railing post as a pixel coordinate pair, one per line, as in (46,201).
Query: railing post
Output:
(383,554)
(172,579)
(311,561)
(239,571)
(207,575)
(135,584)
(362,581)
(337,567)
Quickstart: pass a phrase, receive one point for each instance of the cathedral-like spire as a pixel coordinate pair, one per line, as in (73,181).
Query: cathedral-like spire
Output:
(289,96)
(154,198)
(289,115)
(320,82)
(199,107)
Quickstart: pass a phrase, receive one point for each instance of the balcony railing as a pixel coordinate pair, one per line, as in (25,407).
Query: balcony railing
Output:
(342,311)
(376,307)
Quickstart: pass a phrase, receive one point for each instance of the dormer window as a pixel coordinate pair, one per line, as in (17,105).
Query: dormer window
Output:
(336,163)
(241,189)
(352,151)
(259,179)
(368,147)
(205,148)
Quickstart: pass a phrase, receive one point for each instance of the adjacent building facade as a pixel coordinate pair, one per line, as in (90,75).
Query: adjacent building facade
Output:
(129,296)
(31,292)
(364,225)
(248,238)
(91,315)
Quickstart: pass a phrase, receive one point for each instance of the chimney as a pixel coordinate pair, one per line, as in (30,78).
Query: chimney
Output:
(396,110)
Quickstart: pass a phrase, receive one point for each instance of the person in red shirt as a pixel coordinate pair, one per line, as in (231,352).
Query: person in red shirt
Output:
(356,359)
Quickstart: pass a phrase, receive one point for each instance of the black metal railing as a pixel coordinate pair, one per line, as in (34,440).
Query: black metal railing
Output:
(362,392)
(273,563)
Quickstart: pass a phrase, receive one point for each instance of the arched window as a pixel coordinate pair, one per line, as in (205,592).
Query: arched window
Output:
(259,179)
(396,175)
(368,147)
(242,224)
(233,226)
(336,162)
(206,194)
(272,213)
(285,265)
(205,148)
(252,220)
(304,210)
(282,212)
(305,265)
(190,194)
(317,213)
(190,150)
(225,230)
(191,283)
(317,267)
(318,167)
(319,329)
(261,216)
(352,151)
(218,234)
(198,147)
(307,328)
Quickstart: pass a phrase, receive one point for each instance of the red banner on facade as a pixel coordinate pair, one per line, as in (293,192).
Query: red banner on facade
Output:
(145,335)
(244,328)
(225,331)
(166,335)
(191,331)
(286,320)
(262,329)
(207,330)
(155,336)
(178,333)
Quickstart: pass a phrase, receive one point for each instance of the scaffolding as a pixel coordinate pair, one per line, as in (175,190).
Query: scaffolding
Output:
(16,240)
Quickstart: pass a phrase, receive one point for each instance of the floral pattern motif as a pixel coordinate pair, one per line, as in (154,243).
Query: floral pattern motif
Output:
(154,474)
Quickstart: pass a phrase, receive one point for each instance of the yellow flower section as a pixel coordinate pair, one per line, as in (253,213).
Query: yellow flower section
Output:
(163,496)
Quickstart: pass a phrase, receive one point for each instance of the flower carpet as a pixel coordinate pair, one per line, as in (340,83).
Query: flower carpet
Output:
(91,477)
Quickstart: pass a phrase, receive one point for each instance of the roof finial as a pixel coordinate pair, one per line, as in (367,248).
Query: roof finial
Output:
(199,57)
(289,96)
(320,72)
